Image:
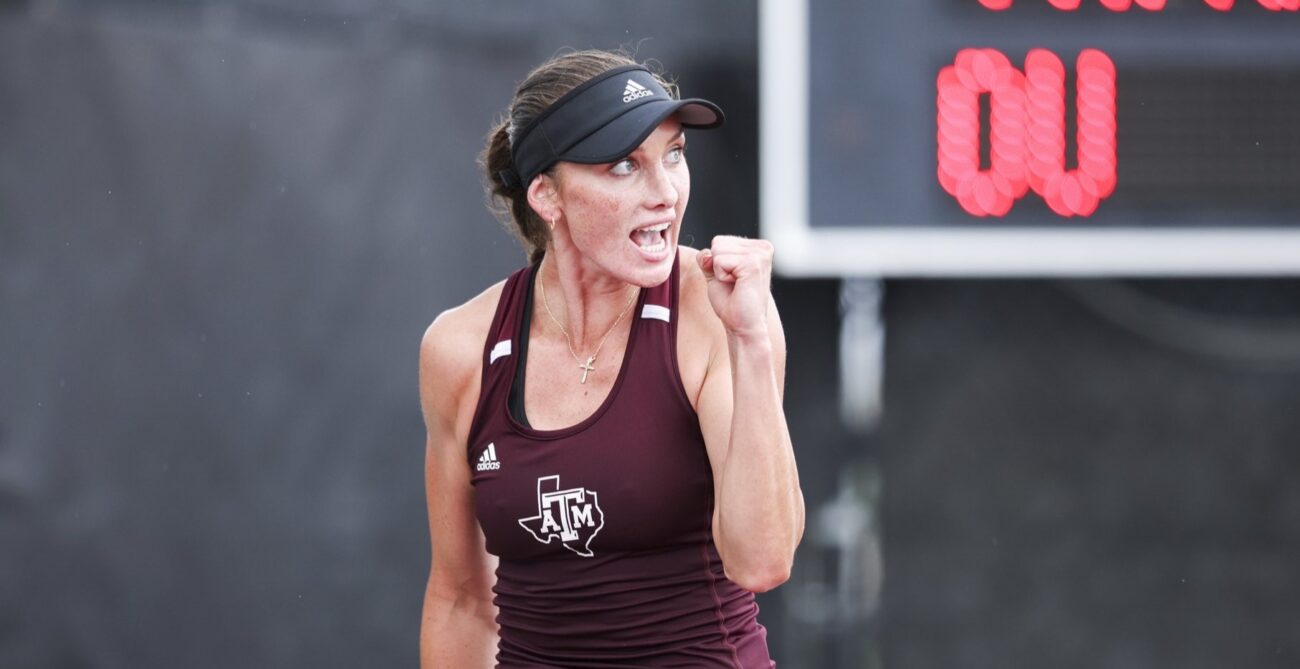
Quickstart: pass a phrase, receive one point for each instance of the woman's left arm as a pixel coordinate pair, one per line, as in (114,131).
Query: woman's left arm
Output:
(758,514)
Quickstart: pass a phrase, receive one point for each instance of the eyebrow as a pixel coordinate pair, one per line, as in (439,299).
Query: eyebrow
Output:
(681,133)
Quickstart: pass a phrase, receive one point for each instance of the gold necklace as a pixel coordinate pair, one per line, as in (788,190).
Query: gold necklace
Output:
(585,366)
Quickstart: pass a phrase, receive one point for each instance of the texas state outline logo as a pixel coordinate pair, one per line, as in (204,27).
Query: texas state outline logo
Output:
(573,516)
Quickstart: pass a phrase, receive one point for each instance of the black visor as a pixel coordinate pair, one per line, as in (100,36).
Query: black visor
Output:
(601,121)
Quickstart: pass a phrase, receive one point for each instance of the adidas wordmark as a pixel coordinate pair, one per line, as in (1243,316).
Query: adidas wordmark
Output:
(488,461)
(634,91)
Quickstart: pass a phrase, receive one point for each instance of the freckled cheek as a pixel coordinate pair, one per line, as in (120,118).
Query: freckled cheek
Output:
(595,208)
(613,215)
(599,205)
(605,217)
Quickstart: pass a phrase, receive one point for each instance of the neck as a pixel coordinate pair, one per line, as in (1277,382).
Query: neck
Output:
(584,299)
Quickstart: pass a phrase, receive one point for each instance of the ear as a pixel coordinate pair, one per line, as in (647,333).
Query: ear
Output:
(544,197)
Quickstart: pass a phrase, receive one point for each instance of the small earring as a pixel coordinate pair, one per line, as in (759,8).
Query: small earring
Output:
(552,225)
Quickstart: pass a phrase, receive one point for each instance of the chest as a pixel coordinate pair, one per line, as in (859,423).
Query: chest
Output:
(555,392)
(628,480)
(555,395)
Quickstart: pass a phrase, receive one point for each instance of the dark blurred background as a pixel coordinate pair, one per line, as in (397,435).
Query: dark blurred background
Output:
(225,225)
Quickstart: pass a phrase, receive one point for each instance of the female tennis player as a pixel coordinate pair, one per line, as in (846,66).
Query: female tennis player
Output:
(609,472)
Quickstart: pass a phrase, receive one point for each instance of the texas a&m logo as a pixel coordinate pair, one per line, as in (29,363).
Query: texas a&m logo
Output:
(572,515)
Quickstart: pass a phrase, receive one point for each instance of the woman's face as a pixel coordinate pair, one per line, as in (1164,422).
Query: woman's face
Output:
(624,217)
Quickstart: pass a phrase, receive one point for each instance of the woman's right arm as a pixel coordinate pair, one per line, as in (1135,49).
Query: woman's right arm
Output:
(458,628)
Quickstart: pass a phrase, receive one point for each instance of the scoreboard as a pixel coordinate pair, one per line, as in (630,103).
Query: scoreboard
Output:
(1031,137)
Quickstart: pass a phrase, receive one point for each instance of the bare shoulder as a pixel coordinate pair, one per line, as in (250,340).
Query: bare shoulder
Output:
(459,330)
(691,274)
(701,338)
(451,355)
(693,302)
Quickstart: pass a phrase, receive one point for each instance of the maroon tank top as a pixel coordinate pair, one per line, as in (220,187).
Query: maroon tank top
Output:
(604,529)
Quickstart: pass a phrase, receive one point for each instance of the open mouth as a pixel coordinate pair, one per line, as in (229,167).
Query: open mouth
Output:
(652,238)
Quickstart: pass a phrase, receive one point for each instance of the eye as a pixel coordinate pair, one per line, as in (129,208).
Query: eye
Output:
(623,167)
(677,154)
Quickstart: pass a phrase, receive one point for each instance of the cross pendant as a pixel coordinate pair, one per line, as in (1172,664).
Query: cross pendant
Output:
(586,367)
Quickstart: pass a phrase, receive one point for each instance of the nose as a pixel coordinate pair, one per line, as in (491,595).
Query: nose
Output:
(662,191)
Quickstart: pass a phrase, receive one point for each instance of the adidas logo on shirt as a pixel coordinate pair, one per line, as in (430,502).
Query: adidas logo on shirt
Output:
(488,461)
(634,91)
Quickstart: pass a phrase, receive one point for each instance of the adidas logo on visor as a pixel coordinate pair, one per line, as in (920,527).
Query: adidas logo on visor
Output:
(634,91)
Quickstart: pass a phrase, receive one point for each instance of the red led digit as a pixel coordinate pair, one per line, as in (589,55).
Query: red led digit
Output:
(1078,191)
(988,192)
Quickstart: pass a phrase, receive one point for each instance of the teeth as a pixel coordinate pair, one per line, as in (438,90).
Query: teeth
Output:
(650,240)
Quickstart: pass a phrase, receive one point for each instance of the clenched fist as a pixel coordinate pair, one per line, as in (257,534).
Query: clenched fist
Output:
(739,272)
